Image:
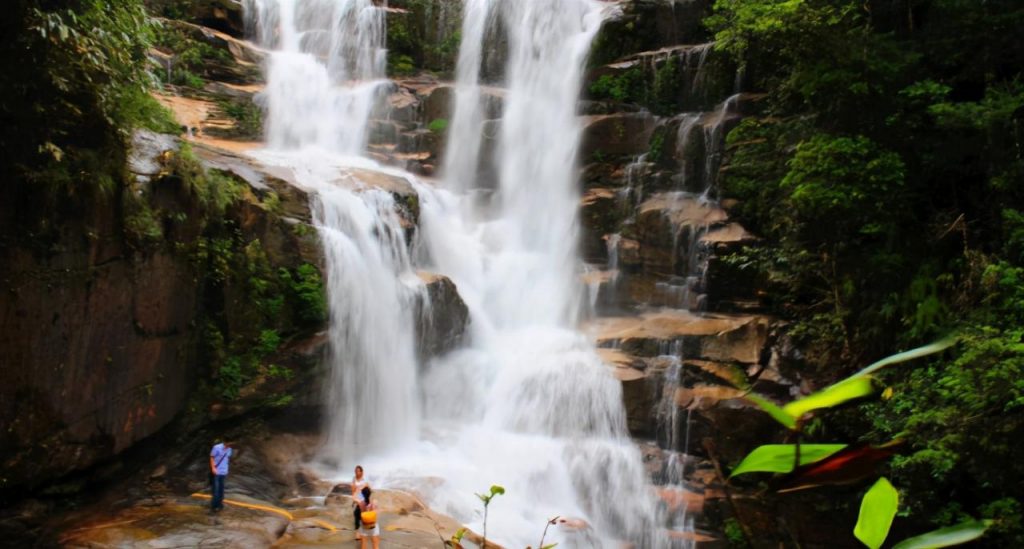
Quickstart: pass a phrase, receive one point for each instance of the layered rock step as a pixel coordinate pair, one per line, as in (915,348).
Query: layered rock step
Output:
(684,376)
(408,130)
(668,253)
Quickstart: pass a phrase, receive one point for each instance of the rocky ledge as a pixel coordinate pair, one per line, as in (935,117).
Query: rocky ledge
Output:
(272,499)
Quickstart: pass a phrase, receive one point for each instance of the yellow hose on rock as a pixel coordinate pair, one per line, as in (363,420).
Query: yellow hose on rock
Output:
(270,508)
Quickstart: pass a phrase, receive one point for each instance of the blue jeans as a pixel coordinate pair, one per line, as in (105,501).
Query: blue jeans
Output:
(217,490)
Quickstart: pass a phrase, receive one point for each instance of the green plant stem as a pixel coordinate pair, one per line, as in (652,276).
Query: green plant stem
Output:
(709,446)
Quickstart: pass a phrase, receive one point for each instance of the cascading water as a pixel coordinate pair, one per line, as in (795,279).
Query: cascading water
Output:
(324,72)
(527,403)
(673,424)
(370,288)
(538,411)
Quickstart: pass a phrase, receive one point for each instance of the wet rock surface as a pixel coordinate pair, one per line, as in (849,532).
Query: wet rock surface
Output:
(273,498)
(441,317)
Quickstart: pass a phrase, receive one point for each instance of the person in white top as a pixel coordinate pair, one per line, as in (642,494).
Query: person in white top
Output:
(358,483)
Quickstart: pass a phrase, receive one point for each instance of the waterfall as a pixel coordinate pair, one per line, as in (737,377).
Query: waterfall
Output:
(537,411)
(460,163)
(324,72)
(527,403)
(370,288)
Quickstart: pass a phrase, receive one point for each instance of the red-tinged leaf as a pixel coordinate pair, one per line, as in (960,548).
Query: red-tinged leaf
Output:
(847,466)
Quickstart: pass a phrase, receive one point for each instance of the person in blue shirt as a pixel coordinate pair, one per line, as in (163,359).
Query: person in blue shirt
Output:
(220,455)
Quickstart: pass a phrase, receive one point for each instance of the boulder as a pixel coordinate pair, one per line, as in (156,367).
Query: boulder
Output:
(621,134)
(441,316)
(667,227)
(437,102)
(600,213)
(640,390)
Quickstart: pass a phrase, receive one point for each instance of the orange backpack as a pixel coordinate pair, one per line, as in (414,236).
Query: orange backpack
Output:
(368,518)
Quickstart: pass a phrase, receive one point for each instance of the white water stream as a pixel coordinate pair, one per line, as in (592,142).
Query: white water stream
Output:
(527,403)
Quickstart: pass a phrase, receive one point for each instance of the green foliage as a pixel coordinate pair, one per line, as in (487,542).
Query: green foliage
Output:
(658,87)
(849,182)
(100,45)
(268,342)
(141,225)
(496,490)
(879,505)
(930,349)
(231,378)
(625,87)
(656,148)
(190,58)
(952,408)
(946,537)
(401,65)
(148,113)
(885,179)
(734,534)
(743,25)
(666,89)
(438,125)
(280,401)
(274,371)
(412,43)
(75,86)
(877,510)
(247,116)
(772,409)
(456,539)
(831,396)
(780,458)
(856,386)
(307,289)
(272,202)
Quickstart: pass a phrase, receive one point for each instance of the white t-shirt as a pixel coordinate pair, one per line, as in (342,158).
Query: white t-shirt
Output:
(357,487)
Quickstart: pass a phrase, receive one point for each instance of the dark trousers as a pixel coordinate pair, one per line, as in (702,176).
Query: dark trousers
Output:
(217,491)
(358,515)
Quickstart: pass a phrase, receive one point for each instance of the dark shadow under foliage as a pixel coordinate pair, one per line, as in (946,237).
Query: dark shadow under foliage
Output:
(887,177)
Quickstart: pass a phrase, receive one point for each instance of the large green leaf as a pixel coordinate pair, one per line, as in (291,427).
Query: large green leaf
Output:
(946,537)
(773,410)
(877,510)
(929,349)
(848,389)
(849,465)
(779,458)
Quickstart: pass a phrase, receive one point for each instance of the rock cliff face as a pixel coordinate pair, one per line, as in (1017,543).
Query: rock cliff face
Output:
(683,330)
(97,353)
(124,329)
(101,343)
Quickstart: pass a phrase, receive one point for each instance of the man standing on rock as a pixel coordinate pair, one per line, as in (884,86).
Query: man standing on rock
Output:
(220,455)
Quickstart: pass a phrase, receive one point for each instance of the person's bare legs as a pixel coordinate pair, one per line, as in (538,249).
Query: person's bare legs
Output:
(362,542)
(376,542)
